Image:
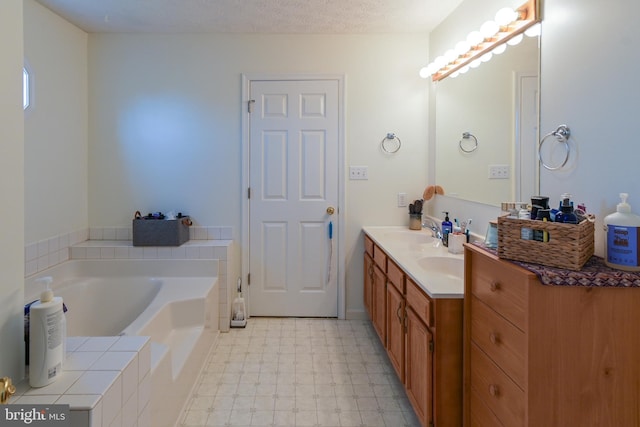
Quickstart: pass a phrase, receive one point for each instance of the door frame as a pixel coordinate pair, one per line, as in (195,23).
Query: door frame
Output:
(339,250)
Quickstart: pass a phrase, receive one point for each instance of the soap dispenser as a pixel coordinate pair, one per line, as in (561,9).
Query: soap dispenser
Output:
(447,227)
(622,236)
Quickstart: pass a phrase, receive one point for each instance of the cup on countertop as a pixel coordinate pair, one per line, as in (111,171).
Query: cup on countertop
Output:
(456,242)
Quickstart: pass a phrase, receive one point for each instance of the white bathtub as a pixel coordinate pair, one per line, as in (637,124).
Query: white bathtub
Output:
(173,302)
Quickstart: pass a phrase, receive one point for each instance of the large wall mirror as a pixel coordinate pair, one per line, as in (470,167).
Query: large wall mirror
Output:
(496,103)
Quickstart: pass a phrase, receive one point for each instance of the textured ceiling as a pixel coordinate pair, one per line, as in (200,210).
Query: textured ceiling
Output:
(254,16)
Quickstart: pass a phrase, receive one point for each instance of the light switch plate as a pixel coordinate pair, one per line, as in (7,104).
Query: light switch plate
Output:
(358,172)
(498,171)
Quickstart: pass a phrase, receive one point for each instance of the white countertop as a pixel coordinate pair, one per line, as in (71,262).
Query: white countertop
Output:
(408,248)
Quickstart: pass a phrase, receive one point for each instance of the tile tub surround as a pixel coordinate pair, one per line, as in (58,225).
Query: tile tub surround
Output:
(48,252)
(299,372)
(106,381)
(206,243)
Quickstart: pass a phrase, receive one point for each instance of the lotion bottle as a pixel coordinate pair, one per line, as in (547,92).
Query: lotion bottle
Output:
(46,337)
(622,228)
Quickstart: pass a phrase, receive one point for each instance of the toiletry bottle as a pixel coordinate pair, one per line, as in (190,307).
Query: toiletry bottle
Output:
(46,337)
(622,238)
(566,214)
(447,227)
(526,233)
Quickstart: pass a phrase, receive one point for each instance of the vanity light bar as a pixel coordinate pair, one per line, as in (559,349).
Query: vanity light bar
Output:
(525,17)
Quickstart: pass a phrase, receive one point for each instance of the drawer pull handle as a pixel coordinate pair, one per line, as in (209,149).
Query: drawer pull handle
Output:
(494,390)
(370,270)
(398,312)
(494,338)
(495,286)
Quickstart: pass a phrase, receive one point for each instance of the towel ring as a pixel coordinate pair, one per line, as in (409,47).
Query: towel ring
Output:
(468,135)
(391,143)
(562,134)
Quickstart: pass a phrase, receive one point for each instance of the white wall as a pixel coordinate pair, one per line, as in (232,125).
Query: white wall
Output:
(590,68)
(165,124)
(11,191)
(55,125)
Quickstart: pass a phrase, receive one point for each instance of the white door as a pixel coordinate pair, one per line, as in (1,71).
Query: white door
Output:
(293,176)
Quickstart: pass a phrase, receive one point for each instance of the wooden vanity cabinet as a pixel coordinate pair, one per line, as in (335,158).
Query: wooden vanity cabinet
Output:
(395,317)
(553,356)
(422,337)
(368,281)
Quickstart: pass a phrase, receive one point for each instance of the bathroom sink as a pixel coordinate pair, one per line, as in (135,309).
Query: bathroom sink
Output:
(445,266)
(409,236)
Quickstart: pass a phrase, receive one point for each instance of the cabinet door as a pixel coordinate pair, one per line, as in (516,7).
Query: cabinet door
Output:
(368,284)
(419,367)
(395,329)
(379,303)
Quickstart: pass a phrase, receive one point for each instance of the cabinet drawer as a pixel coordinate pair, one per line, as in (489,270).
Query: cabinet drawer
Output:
(368,245)
(499,339)
(480,415)
(380,258)
(395,275)
(498,286)
(420,302)
(501,395)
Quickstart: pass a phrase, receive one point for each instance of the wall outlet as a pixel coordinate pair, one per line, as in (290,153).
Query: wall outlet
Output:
(402,200)
(358,172)
(498,171)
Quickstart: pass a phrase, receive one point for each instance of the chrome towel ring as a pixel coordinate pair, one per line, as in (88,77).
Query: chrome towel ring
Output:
(562,134)
(468,135)
(391,143)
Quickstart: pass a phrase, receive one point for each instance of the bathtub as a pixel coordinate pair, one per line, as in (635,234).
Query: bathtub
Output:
(174,302)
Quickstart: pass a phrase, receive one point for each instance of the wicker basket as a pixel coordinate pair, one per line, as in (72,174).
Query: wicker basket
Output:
(569,245)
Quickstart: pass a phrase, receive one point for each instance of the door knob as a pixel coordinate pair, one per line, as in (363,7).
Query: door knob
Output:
(331,210)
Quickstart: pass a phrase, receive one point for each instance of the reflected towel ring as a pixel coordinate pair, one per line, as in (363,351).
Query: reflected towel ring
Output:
(468,135)
(391,143)
(562,134)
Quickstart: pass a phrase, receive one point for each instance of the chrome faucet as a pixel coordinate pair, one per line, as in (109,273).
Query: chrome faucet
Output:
(436,231)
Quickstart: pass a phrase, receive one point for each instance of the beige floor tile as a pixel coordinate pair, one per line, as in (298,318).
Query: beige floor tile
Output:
(299,372)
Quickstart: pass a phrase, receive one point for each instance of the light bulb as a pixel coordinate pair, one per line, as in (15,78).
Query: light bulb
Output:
(440,61)
(424,72)
(533,31)
(489,29)
(450,56)
(475,38)
(454,74)
(475,63)
(462,47)
(464,69)
(516,40)
(506,16)
(499,49)
(486,57)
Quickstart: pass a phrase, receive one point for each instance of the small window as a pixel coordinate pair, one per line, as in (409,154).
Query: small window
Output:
(25,88)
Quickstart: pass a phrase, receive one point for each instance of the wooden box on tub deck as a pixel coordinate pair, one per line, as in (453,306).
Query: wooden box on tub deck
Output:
(566,245)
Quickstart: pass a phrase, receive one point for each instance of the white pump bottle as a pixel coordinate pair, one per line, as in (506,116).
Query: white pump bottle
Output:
(47,335)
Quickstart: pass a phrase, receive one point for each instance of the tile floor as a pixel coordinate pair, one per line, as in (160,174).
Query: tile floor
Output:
(299,372)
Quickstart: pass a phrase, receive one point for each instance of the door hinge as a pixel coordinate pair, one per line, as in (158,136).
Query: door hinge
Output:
(430,346)
(248,279)
(249,193)
(250,105)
